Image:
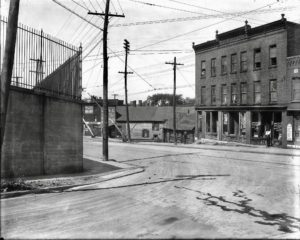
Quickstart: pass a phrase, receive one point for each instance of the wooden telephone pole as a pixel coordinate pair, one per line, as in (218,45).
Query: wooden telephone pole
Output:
(126,47)
(174,98)
(8,61)
(105,78)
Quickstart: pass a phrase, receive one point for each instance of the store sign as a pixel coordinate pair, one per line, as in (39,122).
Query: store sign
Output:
(289,132)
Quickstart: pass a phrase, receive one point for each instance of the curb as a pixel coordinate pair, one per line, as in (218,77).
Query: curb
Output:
(114,175)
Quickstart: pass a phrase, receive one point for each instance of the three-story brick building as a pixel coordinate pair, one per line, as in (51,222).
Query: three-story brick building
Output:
(243,85)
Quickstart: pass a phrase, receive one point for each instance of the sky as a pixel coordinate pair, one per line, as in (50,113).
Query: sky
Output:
(158,31)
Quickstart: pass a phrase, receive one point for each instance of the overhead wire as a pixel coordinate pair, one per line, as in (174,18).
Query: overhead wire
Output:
(80,5)
(198,29)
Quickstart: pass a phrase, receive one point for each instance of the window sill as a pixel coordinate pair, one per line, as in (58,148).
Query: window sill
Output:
(234,72)
(243,71)
(256,69)
(272,66)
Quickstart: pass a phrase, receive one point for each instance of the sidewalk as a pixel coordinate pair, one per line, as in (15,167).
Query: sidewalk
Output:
(95,171)
(214,145)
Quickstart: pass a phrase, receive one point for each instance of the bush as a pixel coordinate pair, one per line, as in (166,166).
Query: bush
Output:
(14,185)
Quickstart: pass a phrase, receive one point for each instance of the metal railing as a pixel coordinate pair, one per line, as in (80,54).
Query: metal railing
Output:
(44,63)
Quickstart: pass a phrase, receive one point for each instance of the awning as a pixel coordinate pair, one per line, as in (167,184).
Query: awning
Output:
(294,106)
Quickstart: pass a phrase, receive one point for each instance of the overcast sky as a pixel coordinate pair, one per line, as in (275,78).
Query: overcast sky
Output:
(152,42)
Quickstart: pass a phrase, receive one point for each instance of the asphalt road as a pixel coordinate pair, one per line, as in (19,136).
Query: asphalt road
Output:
(183,193)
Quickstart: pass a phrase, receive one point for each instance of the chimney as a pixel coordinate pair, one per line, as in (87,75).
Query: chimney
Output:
(246,28)
(133,103)
(283,19)
(217,35)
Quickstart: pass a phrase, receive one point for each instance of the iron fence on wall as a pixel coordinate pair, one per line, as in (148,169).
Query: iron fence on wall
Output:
(43,62)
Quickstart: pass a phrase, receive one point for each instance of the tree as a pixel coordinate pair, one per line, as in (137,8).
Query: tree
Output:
(163,99)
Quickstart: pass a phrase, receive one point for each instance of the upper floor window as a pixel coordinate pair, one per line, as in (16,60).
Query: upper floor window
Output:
(243,93)
(233,93)
(273,55)
(223,65)
(202,97)
(89,109)
(296,89)
(213,67)
(224,94)
(213,95)
(243,61)
(257,58)
(233,63)
(203,69)
(257,93)
(273,90)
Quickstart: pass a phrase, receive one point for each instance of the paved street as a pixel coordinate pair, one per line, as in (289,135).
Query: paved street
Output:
(183,193)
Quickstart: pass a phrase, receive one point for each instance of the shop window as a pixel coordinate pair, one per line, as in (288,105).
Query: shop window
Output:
(257,93)
(233,94)
(213,95)
(213,67)
(273,91)
(277,127)
(296,89)
(203,69)
(243,93)
(244,61)
(225,123)
(207,121)
(256,124)
(257,58)
(243,124)
(231,124)
(202,97)
(233,63)
(273,56)
(224,94)
(214,116)
(155,126)
(223,65)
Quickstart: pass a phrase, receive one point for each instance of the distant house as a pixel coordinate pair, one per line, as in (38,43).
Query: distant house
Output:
(156,123)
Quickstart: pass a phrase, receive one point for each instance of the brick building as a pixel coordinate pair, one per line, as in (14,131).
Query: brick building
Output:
(244,85)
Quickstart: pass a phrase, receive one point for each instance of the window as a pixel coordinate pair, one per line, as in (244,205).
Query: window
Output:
(243,124)
(155,126)
(89,109)
(213,67)
(233,63)
(273,91)
(203,69)
(273,56)
(213,95)
(214,119)
(202,95)
(243,93)
(223,65)
(233,94)
(257,58)
(243,61)
(224,94)
(296,89)
(257,93)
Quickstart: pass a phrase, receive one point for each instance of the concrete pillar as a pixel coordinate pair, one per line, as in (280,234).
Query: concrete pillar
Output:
(284,122)
(248,127)
(220,125)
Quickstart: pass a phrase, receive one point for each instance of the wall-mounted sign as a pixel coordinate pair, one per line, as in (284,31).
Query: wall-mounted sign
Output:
(289,132)
(296,70)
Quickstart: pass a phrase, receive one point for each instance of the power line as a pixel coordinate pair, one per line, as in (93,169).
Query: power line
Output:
(85,8)
(198,29)
(84,19)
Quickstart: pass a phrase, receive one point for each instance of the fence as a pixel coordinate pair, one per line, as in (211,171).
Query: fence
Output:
(44,63)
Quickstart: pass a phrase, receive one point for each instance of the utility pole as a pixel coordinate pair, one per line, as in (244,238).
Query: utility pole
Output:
(174,98)
(8,61)
(105,78)
(126,47)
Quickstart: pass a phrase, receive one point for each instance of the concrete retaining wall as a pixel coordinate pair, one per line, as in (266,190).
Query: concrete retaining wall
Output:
(43,135)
